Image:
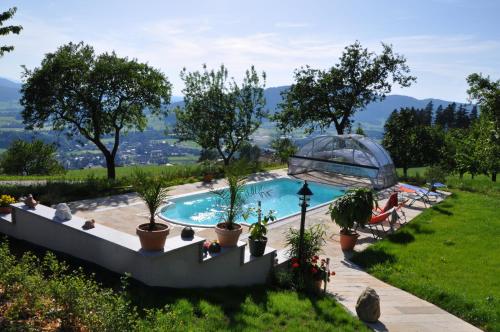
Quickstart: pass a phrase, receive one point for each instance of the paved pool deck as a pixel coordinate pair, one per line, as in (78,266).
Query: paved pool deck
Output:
(400,310)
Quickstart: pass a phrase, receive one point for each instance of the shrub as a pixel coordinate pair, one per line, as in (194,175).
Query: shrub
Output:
(314,239)
(30,158)
(41,294)
(353,207)
(435,174)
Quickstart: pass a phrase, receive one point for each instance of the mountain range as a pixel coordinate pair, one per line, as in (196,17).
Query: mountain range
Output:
(372,118)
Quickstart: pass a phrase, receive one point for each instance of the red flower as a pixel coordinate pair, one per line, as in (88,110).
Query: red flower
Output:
(295,260)
(295,265)
(315,258)
(332,273)
(314,270)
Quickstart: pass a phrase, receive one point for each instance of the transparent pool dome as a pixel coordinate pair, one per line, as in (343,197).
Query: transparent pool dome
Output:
(353,155)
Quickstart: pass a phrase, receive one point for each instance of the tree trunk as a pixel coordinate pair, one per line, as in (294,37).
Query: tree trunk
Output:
(461,175)
(494,176)
(405,172)
(472,176)
(110,164)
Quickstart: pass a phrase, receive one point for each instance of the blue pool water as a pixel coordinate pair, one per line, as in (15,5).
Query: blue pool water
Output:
(204,210)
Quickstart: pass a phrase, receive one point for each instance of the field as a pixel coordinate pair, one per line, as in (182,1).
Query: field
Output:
(450,254)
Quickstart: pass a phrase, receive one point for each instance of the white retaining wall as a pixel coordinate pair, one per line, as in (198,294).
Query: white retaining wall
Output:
(180,265)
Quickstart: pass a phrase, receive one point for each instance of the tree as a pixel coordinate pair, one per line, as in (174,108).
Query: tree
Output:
(487,94)
(284,148)
(250,153)
(398,139)
(360,130)
(95,96)
(6,30)
(411,142)
(218,113)
(320,98)
(30,158)
(462,119)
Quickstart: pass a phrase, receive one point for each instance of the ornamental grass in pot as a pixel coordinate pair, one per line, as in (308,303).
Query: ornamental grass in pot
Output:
(257,240)
(153,192)
(350,211)
(232,203)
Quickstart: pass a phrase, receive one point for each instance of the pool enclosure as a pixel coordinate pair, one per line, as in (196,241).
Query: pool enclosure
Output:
(353,155)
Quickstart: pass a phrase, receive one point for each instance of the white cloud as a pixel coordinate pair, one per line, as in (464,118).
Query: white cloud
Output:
(174,44)
(291,25)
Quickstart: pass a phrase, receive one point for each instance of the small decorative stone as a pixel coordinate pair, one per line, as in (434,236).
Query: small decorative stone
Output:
(30,201)
(368,306)
(187,233)
(63,213)
(89,224)
(214,247)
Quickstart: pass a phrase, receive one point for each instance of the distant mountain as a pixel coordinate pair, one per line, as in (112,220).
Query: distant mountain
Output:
(9,90)
(372,117)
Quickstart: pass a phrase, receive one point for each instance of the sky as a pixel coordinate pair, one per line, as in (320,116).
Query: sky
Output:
(443,40)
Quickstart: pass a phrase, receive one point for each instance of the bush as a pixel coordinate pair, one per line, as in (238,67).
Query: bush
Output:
(43,294)
(30,158)
(435,174)
(314,239)
(353,207)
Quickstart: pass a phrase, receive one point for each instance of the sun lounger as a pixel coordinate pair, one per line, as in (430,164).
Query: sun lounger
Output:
(415,193)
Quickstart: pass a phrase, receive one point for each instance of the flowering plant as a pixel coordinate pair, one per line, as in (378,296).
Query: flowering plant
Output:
(6,200)
(315,268)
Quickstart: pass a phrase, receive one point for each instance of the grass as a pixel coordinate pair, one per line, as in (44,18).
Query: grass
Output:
(101,172)
(449,254)
(40,292)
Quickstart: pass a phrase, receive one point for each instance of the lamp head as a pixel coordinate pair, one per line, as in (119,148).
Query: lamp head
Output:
(305,192)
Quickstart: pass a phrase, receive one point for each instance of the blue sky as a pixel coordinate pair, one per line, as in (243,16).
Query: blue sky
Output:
(443,40)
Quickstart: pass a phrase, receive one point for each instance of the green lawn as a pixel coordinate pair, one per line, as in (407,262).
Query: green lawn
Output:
(448,255)
(99,172)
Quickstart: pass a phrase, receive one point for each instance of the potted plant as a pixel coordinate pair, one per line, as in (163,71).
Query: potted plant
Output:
(232,202)
(153,192)
(353,208)
(257,240)
(5,202)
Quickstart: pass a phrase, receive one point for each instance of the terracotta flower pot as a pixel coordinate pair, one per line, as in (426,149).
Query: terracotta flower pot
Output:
(152,240)
(348,241)
(318,286)
(5,209)
(257,247)
(228,237)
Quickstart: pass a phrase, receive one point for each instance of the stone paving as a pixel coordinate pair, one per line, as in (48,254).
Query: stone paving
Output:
(400,311)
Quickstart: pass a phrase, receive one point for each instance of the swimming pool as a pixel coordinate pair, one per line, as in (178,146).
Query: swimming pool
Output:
(203,209)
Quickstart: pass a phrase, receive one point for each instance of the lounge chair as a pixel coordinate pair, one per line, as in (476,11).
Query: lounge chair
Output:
(418,194)
(391,202)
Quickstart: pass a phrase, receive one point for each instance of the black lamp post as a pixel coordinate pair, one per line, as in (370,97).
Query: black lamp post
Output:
(304,195)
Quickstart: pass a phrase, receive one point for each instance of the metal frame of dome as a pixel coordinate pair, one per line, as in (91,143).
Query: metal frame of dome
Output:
(353,155)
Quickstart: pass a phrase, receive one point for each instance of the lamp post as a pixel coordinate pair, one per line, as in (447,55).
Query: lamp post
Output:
(304,195)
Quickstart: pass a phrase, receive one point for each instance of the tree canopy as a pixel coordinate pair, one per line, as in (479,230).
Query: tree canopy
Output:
(30,158)
(320,98)
(487,94)
(8,29)
(411,140)
(219,113)
(95,96)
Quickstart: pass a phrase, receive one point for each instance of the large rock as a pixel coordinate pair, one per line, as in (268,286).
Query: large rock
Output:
(368,306)
(63,213)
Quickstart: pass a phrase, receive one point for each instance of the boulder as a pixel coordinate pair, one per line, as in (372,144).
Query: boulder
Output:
(63,213)
(368,306)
